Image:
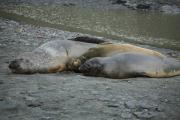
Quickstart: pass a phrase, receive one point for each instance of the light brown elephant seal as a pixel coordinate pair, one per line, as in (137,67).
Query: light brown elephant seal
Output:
(49,57)
(130,64)
(109,49)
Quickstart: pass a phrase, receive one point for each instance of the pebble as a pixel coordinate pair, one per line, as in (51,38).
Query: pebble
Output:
(7,105)
(108,88)
(28,98)
(1,82)
(141,105)
(94,92)
(147,105)
(46,118)
(126,115)
(131,104)
(145,114)
(113,105)
(35,104)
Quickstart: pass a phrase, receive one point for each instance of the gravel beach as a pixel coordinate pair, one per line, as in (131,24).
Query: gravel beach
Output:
(71,96)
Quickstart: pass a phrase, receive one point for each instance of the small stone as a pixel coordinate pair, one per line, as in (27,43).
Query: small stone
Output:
(119,2)
(143,6)
(108,88)
(147,105)
(129,81)
(165,100)
(1,99)
(126,115)
(28,98)
(46,118)
(104,99)
(27,44)
(7,104)
(1,82)
(113,105)
(95,92)
(35,104)
(145,114)
(131,104)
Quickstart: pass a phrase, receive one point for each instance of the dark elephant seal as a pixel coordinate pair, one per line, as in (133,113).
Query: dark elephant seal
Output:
(49,57)
(126,65)
(110,49)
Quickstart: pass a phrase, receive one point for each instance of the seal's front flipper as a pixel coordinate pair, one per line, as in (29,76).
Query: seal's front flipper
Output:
(88,39)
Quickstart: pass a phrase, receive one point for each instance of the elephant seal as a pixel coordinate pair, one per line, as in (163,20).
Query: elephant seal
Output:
(49,58)
(64,55)
(109,49)
(131,64)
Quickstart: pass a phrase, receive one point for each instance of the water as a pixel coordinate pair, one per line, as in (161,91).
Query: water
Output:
(152,28)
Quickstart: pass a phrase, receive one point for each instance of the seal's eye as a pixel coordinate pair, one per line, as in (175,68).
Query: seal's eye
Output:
(14,64)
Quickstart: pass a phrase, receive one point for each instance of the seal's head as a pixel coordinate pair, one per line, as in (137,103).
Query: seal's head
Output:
(21,66)
(92,67)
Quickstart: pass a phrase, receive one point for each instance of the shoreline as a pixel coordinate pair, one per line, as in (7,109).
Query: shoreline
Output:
(43,23)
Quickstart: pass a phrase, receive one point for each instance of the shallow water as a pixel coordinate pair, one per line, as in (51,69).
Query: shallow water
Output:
(152,28)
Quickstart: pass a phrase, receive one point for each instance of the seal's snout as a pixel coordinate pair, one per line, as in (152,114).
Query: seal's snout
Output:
(14,64)
(84,68)
(91,67)
(21,66)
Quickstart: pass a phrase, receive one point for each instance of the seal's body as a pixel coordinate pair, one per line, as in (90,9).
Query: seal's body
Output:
(49,57)
(126,65)
(66,55)
(110,49)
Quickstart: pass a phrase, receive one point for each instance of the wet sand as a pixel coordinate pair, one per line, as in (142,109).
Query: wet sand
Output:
(71,96)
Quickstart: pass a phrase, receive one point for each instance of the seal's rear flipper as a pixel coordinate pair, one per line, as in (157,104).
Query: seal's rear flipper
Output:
(88,39)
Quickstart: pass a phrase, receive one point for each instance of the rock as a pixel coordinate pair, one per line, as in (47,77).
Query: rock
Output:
(69,4)
(131,104)
(94,92)
(29,98)
(143,6)
(7,104)
(141,105)
(107,88)
(145,114)
(35,104)
(46,118)
(147,105)
(1,82)
(168,9)
(119,2)
(172,54)
(126,115)
(113,105)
